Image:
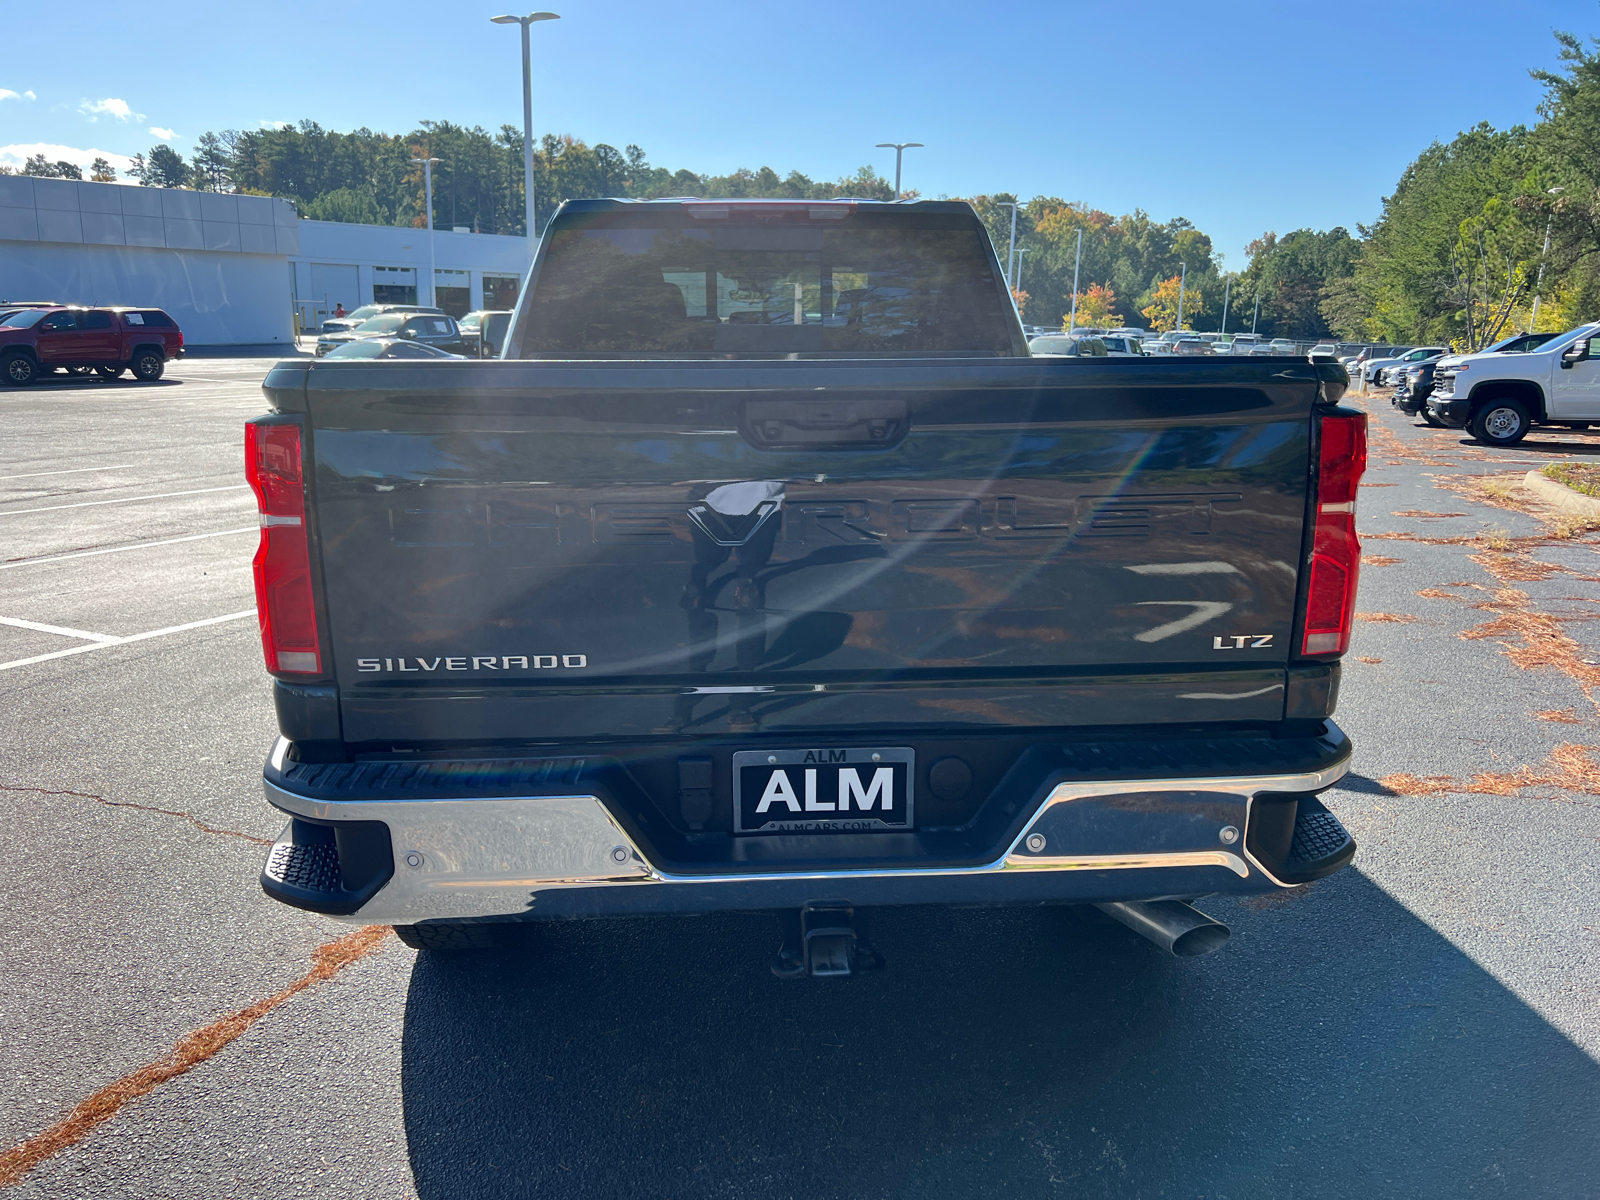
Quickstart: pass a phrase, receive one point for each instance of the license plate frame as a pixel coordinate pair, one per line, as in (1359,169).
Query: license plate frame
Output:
(754,770)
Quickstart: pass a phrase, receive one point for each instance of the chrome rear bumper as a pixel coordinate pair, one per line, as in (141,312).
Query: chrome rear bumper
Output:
(461,859)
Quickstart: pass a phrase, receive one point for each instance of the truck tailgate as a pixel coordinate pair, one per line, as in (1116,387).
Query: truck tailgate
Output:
(614,549)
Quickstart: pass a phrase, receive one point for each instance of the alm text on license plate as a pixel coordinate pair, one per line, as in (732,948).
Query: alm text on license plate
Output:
(837,790)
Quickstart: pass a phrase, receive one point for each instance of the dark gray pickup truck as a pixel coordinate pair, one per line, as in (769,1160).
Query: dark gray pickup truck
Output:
(766,570)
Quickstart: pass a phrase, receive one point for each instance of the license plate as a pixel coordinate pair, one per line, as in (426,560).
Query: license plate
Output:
(835,790)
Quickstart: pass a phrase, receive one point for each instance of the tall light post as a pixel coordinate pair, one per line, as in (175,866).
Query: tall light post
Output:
(1533,321)
(1257,315)
(1072,321)
(1011,250)
(1182,280)
(899,148)
(427,177)
(527,111)
(1021,250)
(1227,290)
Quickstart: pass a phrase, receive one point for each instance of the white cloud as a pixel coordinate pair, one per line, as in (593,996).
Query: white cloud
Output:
(8,94)
(166,135)
(14,156)
(111,107)
(274,124)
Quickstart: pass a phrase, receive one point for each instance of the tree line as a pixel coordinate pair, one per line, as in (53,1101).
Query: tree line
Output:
(1456,255)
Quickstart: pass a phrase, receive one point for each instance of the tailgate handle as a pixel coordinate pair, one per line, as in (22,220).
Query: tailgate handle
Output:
(824,424)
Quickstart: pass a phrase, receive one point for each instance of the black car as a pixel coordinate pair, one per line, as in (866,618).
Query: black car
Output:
(1412,392)
(429,329)
(385,347)
(484,332)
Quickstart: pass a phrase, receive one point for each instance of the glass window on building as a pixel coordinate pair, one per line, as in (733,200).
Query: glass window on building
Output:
(500,292)
(452,291)
(394,285)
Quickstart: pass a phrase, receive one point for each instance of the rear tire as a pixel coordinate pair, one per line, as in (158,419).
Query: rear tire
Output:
(1501,422)
(19,370)
(109,372)
(148,366)
(440,935)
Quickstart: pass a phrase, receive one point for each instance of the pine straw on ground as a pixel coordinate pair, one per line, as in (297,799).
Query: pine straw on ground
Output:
(327,961)
(1569,768)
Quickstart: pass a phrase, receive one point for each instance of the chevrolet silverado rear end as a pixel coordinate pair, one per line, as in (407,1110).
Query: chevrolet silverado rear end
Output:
(767,571)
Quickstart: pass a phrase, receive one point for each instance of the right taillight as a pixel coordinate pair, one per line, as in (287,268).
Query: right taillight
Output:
(1335,550)
(285,604)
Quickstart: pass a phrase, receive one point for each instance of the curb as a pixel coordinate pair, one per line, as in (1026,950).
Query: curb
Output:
(1561,495)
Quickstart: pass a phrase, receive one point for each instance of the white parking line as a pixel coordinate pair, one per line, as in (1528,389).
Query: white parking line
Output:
(193,537)
(61,629)
(74,471)
(123,641)
(17,512)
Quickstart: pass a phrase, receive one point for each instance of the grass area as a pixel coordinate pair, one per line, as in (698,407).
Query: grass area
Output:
(1580,477)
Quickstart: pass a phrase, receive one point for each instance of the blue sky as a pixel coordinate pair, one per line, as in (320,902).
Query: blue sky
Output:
(1242,117)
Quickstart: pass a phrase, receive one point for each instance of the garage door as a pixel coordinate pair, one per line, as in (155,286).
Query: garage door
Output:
(332,284)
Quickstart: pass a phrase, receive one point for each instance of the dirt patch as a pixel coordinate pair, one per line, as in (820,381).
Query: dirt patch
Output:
(1437,594)
(1580,477)
(1416,512)
(1379,560)
(1370,661)
(1381,617)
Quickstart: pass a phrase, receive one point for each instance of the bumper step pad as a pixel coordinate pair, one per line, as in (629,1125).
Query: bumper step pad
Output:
(326,868)
(1320,846)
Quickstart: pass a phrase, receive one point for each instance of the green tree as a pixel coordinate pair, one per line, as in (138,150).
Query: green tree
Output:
(101,171)
(164,167)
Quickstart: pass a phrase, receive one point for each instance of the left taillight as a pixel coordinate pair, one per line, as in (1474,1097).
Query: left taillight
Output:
(1335,551)
(285,604)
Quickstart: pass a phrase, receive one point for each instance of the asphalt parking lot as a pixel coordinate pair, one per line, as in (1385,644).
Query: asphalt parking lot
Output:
(1426,1023)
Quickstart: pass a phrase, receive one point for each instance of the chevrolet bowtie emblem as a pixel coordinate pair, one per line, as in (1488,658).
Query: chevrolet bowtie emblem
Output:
(727,530)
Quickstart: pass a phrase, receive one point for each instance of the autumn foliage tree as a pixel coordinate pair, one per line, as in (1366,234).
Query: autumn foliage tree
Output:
(1163,310)
(1095,307)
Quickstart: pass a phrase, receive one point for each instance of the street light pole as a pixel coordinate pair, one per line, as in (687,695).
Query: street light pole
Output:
(1011,250)
(433,271)
(1182,280)
(1533,321)
(1021,250)
(899,148)
(1257,315)
(1072,321)
(1227,290)
(527,111)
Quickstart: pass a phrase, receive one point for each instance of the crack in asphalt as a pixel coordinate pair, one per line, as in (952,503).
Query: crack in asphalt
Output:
(165,812)
(189,1051)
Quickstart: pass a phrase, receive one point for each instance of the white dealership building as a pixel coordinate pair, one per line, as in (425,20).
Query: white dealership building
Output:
(233,270)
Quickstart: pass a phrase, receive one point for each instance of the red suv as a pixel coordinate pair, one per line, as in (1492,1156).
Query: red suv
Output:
(35,341)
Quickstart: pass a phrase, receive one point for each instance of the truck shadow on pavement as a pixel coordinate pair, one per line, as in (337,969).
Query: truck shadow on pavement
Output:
(1338,1046)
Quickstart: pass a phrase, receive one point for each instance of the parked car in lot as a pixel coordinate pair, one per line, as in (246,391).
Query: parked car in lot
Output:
(1118,346)
(1412,389)
(432,329)
(388,347)
(483,332)
(350,320)
(1070,347)
(1498,395)
(1192,345)
(37,341)
(668,613)
(1402,355)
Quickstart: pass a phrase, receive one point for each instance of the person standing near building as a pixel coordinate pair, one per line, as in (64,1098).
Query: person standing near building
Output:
(338,308)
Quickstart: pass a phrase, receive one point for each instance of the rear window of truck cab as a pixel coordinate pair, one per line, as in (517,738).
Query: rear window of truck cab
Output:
(662,283)
(153,318)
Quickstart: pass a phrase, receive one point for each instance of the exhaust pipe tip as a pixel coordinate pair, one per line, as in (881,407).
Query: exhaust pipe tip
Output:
(1178,928)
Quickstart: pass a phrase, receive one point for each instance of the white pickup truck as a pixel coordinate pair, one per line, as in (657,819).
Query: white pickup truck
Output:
(1498,396)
